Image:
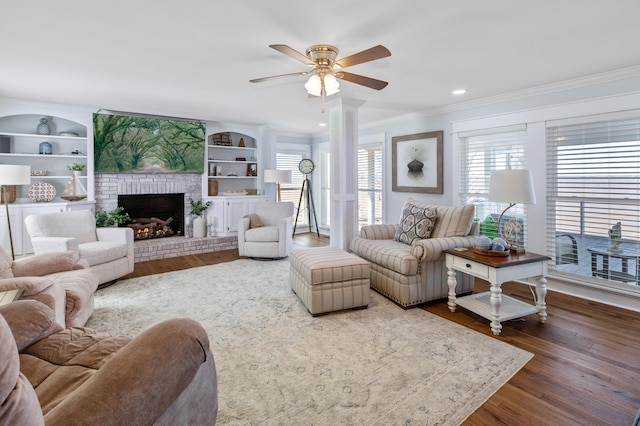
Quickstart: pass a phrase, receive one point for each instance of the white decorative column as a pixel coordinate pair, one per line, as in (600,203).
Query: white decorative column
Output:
(343,122)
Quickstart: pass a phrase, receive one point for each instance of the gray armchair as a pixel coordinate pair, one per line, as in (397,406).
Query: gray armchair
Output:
(108,251)
(268,233)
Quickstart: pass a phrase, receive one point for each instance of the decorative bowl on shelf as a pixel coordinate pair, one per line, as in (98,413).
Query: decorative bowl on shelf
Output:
(39,172)
(72,134)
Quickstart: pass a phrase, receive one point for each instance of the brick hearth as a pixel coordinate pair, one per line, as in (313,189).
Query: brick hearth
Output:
(162,248)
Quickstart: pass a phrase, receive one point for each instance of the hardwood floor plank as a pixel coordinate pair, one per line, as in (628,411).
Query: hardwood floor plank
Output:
(586,365)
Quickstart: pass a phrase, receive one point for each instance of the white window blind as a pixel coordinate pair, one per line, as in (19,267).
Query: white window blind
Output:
(593,182)
(291,191)
(369,184)
(480,154)
(325,189)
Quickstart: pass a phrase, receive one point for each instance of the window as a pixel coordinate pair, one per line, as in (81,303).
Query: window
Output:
(480,154)
(291,191)
(325,189)
(593,183)
(369,184)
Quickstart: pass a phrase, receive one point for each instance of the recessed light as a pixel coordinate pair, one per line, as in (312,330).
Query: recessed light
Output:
(459,91)
(322,124)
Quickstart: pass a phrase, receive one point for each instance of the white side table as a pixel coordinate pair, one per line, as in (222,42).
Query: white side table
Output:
(492,305)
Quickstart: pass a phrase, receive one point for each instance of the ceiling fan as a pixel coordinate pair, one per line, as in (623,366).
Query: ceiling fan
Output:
(325,69)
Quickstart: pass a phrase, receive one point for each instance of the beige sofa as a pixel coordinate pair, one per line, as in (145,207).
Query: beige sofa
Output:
(77,376)
(108,251)
(411,274)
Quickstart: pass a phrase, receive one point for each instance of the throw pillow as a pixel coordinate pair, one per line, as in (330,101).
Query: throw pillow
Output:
(416,223)
(254,221)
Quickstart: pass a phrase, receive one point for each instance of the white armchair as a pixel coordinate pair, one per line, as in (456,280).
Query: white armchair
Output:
(108,251)
(268,233)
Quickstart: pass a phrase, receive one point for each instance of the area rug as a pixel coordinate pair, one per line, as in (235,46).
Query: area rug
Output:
(278,365)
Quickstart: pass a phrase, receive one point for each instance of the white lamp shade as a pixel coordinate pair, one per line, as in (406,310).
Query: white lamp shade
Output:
(331,85)
(14,175)
(277,176)
(314,85)
(512,186)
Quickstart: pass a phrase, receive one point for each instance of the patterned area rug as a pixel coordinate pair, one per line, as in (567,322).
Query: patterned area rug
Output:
(278,365)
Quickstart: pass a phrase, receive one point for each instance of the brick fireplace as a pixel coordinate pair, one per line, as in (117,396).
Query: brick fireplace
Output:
(108,186)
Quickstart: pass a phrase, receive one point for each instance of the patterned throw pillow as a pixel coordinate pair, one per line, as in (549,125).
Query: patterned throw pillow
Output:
(416,224)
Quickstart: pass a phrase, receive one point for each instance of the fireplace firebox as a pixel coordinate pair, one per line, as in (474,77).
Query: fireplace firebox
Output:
(154,215)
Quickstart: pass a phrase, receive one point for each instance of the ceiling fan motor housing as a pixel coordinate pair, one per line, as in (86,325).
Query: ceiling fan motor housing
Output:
(322,54)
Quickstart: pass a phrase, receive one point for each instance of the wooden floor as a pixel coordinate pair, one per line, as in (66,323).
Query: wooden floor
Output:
(586,365)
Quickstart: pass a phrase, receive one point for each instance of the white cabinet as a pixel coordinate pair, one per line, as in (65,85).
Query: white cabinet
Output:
(232,162)
(224,213)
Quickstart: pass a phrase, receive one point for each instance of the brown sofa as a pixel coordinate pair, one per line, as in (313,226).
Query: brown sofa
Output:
(60,280)
(77,376)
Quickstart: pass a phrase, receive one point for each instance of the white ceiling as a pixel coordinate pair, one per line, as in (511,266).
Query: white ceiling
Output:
(194,58)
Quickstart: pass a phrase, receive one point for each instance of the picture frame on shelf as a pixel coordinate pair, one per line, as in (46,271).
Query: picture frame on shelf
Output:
(252,169)
(417,163)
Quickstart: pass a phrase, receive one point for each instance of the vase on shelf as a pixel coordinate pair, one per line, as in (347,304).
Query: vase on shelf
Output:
(45,148)
(75,190)
(43,128)
(199,227)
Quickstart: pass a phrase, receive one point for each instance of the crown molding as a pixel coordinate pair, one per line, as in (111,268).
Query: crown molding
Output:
(605,77)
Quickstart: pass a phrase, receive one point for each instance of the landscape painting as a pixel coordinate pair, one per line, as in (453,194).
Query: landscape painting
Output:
(129,144)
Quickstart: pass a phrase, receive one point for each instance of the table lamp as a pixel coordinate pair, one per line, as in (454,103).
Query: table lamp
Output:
(511,186)
(12,175)
(277,177)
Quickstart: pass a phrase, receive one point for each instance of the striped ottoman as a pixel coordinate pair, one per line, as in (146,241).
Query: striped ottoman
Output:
(328,279)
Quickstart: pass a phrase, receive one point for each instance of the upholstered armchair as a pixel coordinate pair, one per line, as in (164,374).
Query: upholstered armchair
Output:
(58,280)
(78,376)
(267,233)
(108,251)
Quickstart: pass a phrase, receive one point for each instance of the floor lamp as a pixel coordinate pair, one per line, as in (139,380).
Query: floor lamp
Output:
(511,186)
(12,175)
(277,177)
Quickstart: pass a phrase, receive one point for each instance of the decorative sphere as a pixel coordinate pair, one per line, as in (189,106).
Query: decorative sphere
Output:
(499,240)
(483,243)
(497,247)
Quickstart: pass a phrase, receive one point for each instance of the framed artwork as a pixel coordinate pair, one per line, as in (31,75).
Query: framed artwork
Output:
(252,169)
(417,163)
(133,144)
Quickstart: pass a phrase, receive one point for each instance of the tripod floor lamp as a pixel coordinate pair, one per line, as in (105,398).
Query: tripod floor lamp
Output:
(12,175)
(277,177)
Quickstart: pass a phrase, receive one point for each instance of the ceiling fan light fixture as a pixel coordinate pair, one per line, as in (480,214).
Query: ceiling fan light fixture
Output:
(314,85)
(331,85)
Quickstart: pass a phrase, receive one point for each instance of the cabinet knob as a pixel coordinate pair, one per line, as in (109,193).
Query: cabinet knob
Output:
(468,265)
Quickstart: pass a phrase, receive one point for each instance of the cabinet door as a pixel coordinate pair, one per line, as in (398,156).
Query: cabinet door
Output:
(236,209)
(215,216)
(251,203)
(81,206)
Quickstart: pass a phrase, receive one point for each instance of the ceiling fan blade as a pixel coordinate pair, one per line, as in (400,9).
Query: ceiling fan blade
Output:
(362,80)
(376,52)
(259,80)
(283,48)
